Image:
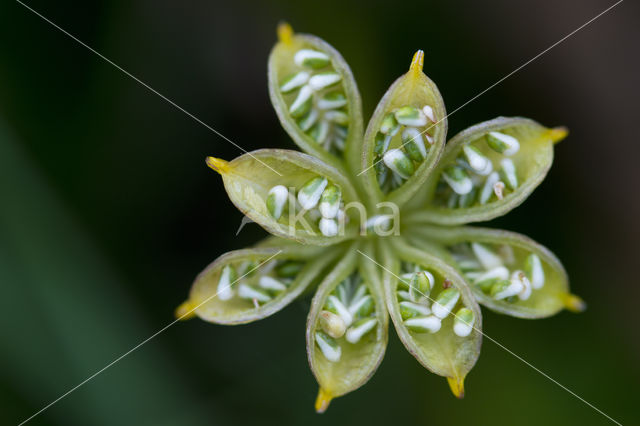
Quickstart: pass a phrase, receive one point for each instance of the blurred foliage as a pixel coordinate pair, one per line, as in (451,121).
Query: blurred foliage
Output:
(108,210)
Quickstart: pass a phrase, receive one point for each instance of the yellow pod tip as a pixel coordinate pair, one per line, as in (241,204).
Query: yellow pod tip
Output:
(217,164)
(417,63)
(185,311)
(557,134)
(457,386)
(574,303)
(322,401)
(285,33)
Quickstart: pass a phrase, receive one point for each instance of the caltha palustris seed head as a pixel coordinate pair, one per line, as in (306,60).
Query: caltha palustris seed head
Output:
(370,219)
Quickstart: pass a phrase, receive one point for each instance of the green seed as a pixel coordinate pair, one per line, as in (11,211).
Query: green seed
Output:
(486,280)
(382,144)
(534,270)
(310,193)
(404,295)
(328,346)
(502,143)
(420,285)
(389,125)
(509,173)
(359,329)
(410,116)
(332,324)
(411,310)
(289,268)
(423,324)
(311,58)
(413,144)
(276,200)
(332,100)
(330,201)
(463,322)
(445,301)
(294,81)
(458,179)
(397,161)
(303,102)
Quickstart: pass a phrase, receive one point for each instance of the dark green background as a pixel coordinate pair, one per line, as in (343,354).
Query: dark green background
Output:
(107,210)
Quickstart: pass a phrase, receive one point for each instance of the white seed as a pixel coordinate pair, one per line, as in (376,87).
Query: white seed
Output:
(428,112)
(269,283)
(410,116)
(300,106)
(310,193)
(276,200)
(478,162)
(503,143)
(487,188)
(332,324)
(487,258)
(334,304)
(309,120)
(499,272)
(338,117)
(445,301)
(356,305)
(463,322)
(330,202)
(320,132)
(294,82)
(509,173)
(328,227)
(428,137)
(458,180)
(311,58)
(332,101)
(329,347)
(428,323)
(514,287)
(322,80)
(535,271)
(227,276)
(398,161)
(247,292)
(359,329)
(413,144)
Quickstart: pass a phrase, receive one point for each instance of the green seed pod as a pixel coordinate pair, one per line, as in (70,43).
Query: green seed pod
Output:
(441,351)
(531,160)
(547,280)
(249,178)
(204,298)
(295,57)
(362,345)
(404,102)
